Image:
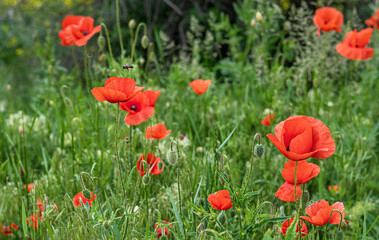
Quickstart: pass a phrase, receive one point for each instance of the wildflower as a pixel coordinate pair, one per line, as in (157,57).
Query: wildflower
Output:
(132,23)
(200,86)
(30,186)
(20,129)
(79,199)
(320,213)
(77,30)
(252,22)
(333,188)
(304,172)
(116,90)
(268,120)
(9,87)
(354,45)
(220,200)
(158,131)
(328,19)
(373,21)
(153,163)
(302,137)
(259,17)
(14,226)
(287,223)
(34,220)
(162,231)
(140,107)
(6,230)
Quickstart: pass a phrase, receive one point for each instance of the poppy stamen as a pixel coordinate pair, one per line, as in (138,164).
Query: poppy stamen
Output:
(85,33)
(133,107)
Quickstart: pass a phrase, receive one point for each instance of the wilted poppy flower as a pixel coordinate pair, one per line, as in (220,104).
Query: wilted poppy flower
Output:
(77,30)
(302,137)
(354,45)
(286,192)
(320,213)
(158,131)
(161,230)
(140,107)
(153,163)
(79,198)
(30,186)
(333,188)
(33,220)
(200,86)
(287,224)
(373,21)
(116,90)
(220,200)
(328,19)
(268,120)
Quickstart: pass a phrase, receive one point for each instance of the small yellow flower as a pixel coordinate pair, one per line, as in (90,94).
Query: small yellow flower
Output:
(19,51)
(12,42)
(5,28)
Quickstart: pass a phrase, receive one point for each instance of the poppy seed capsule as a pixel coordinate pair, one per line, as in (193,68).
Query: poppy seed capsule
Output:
(144,41)
(259,150)
(101,42)
(87,193)
(146,179)
(172,156)
(132,23)
(221,218)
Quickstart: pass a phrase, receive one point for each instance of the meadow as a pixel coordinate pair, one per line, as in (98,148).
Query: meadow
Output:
(189,120)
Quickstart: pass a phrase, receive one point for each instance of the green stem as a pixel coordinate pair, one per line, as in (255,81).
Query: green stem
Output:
(86,67)
(257,135)
(108,41)
(297,210)
(119,28)
(116,149)
(130,147)
(135,39)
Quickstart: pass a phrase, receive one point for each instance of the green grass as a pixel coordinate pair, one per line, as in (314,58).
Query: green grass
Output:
(68,138)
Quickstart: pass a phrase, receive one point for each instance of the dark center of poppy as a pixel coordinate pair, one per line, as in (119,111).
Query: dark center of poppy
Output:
(288,148)
(85,33)
(133,107)
(325,22)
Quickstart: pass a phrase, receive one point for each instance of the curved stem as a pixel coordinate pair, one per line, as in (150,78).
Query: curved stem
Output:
(119,28)
(135,38)
(257,135)
(330,217)
(108,41)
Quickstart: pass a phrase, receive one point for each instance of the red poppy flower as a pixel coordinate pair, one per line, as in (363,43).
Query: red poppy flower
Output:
(268,120)
(200,86)
(77,30)
(354,45)
(56,207)
(328,19)
(40,205)
(140,107)
(287,223)
(153,163)
(30,186)
(320,211)
(116,90)
(14,226)
(6,230)
(302,137)
(305,171)
(286,192)
(158,131)
(33,220)
(373,21)
(162,231)
(220,200)
(79,198)
(333,188)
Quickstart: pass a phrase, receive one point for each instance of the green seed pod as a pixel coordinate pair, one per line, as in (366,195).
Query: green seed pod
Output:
(146,179)
(101,42)
(338,235)
(221,218)
(172,156)
(344,225)
(87,193)
(259,150)
(145,41)
(132,23)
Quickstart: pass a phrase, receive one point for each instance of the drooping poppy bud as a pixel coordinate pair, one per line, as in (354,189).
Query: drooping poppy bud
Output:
(145,41)
(259,150)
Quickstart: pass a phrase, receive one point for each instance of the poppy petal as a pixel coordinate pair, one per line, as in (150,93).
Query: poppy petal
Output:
(200,86)
(286,192)
(158,131)
(336,217)
(136,118)
(106,94)
(305,171)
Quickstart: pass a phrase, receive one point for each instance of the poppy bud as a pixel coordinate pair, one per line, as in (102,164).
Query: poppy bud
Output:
(132,23)
(253,22)
(144,41)
(20,129)
(199,149)
(50,69)
(221,218)
(146,179)
(172,156)
(22,171)
(101,42)
(259,17)
(89,55)
(141,61)
(259,150)
(344,225)
(160,165)
(157,215)
(87,193)
(338,235)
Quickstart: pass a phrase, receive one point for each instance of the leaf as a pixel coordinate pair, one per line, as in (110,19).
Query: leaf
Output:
(291,231)
(177,215)
(227,139)
(49,230)
(24,223)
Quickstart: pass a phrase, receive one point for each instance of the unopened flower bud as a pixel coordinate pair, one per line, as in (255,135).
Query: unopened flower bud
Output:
(199,149)
(145,41)
(172,156)
(259,150)
(132,23)
(50,69)
(86,193)
(253,22)
(344,225)
(259,17)
(221,218)
(20,129)
(101,42)
(146,179)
